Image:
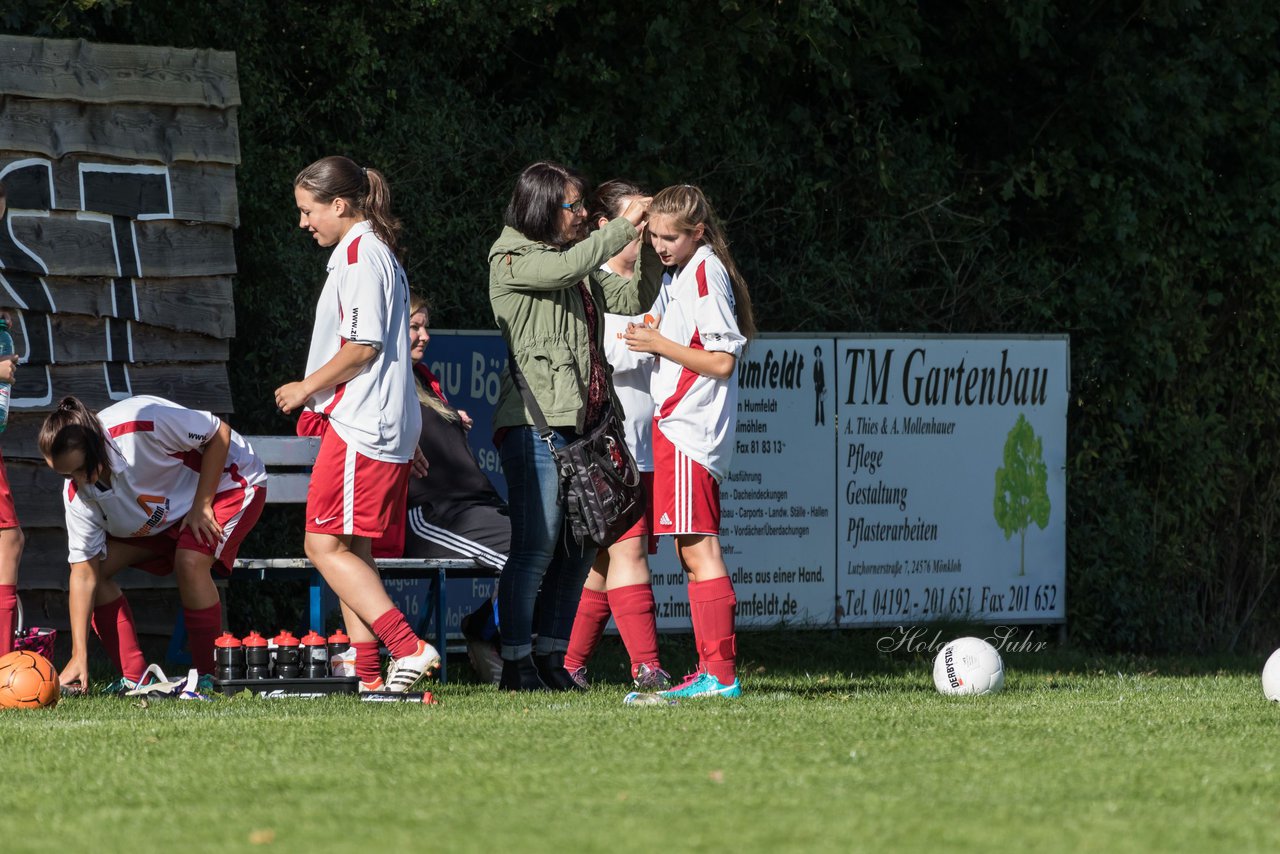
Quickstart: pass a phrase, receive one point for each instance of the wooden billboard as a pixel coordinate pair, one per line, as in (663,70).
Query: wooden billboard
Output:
(116,252)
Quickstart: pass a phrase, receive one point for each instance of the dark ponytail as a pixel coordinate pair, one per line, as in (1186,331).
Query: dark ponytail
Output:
(72,427)
(365,189)
(607,200)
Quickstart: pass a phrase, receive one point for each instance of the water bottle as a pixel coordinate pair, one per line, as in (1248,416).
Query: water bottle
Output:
(286,655)
(257,656)
(6,349)
(228,656)
(341,656)
(315,656)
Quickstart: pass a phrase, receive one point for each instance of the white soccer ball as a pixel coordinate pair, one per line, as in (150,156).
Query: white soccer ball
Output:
(969,666)
(1271,677)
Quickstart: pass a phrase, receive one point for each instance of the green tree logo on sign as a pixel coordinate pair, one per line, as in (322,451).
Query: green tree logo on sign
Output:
(1022,494)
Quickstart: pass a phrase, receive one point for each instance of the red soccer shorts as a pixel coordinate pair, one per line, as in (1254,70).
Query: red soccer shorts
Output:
(644,525)
(236,512)
(354,495)
(686,498)
(8,515)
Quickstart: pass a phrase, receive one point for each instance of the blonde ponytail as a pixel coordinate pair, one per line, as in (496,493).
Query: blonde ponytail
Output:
(688,207)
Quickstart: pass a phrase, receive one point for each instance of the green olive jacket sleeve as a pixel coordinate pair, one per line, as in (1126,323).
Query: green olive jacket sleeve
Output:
(538,307)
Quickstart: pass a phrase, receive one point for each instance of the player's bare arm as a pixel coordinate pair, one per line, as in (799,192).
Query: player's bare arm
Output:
(349,361)
(200,518)
(708,363)
(81,589)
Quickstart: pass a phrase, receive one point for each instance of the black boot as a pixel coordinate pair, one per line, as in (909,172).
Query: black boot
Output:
(551,669)
(520,675)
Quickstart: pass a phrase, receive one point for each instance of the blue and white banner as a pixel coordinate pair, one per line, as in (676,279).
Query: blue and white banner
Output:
(951,457)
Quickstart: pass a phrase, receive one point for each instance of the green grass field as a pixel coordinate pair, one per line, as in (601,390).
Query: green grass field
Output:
(833,747)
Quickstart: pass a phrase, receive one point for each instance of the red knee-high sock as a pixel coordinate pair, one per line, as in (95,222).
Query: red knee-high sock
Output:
(394,632)
(203,627)
(713,602)
(636,615)
(588,627)
(114,624)
(368,664)
(8,614)
(695,617)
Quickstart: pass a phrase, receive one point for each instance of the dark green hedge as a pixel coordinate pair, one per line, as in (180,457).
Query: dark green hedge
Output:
(1108,169)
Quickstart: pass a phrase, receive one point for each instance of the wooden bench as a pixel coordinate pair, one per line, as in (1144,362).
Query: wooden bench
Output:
(288,460)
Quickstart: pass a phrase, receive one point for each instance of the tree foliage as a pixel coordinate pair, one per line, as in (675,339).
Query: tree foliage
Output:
(1108,168)
(1022,494)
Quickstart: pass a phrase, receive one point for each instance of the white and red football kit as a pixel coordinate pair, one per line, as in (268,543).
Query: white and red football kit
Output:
(366,301)
(155,453)
(695,415)
(361,474)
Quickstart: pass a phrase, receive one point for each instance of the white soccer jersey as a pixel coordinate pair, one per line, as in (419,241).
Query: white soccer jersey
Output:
(632,374)
(698,413)
(366,301)
(155,456)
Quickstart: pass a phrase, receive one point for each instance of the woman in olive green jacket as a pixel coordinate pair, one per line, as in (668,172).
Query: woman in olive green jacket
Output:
(549,294)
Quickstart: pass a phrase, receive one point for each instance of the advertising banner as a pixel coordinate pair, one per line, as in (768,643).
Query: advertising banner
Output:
(951,458)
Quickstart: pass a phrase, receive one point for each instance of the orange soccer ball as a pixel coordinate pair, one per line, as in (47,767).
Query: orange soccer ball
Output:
(27,681)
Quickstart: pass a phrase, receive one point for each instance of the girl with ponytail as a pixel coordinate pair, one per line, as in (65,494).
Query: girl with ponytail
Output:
(358,394)
(703,331)
(157,486)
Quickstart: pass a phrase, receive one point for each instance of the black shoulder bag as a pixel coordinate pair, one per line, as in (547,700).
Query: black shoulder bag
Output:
(599,479)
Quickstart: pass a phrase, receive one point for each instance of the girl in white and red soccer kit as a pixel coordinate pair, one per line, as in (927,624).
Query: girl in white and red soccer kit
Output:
(154,485)
(704,329)
(11,538)
(618,584)
(358,393)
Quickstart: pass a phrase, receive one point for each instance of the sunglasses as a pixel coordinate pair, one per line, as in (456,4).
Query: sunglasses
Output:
(576,207)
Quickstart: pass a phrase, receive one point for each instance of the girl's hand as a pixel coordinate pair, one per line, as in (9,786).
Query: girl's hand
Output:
(638,211)
(291,396)
(8,369)
(75,672)
(419,466)
(643,339)
(467,423)
(202,523)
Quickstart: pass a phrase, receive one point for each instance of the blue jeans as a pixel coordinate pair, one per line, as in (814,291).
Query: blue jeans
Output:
(546,567)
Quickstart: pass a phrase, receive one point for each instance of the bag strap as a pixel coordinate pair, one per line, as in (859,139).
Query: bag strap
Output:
(530,402)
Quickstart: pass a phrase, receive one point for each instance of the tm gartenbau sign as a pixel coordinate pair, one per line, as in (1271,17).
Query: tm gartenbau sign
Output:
(951,456)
